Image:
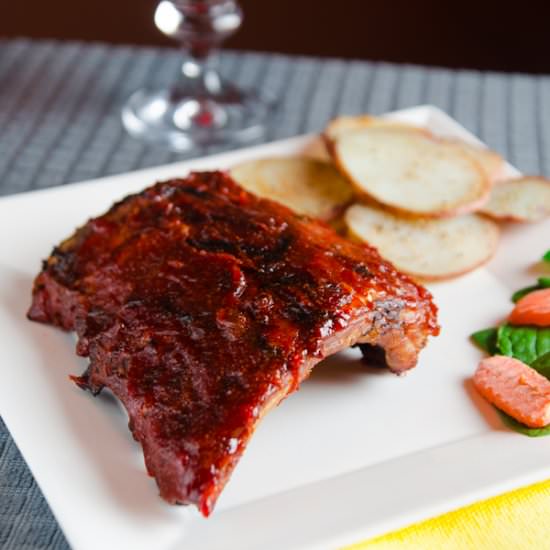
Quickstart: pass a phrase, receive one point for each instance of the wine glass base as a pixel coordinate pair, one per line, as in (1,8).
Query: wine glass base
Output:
(187,123)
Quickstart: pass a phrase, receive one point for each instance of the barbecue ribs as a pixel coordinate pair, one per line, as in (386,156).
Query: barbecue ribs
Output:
(201,306)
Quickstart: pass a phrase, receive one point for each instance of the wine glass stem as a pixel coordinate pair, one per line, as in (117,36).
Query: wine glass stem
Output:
(198,77)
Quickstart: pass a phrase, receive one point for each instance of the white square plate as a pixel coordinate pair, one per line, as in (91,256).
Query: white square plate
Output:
(354,453)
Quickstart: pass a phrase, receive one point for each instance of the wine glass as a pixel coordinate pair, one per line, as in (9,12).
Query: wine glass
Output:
(201,108)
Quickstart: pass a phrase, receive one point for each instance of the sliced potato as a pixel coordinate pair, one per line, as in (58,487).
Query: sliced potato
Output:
(307,186)
(525,199)
(491,162)
(428,249)
(345,124)
(411,172)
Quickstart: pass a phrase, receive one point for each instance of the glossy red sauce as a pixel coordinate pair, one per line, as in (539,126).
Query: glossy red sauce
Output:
(196,302)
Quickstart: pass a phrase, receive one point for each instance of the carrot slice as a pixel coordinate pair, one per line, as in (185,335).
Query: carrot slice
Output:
(516,389)
(532,309)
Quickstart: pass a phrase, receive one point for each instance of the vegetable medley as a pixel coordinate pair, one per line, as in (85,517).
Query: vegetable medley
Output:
(525,337)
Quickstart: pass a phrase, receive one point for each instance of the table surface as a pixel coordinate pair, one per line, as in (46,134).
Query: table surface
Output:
(59,123)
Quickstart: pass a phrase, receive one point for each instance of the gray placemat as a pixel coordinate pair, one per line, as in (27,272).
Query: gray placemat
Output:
(60,123)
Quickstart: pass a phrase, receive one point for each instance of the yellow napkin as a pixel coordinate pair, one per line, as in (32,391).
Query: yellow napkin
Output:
(510,521)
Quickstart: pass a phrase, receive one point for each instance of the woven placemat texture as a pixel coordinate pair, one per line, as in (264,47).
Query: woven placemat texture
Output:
(60,123)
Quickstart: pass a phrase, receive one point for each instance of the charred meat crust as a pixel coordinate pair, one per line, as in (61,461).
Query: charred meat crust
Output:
(201,306)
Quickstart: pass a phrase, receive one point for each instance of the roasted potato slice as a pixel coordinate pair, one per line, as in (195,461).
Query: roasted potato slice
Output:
(423,248)
(490,162)
(307,186)
(345,124)
(411,172)
(525,199)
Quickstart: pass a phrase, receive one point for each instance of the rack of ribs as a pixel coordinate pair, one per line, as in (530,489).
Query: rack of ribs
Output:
(201,306)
